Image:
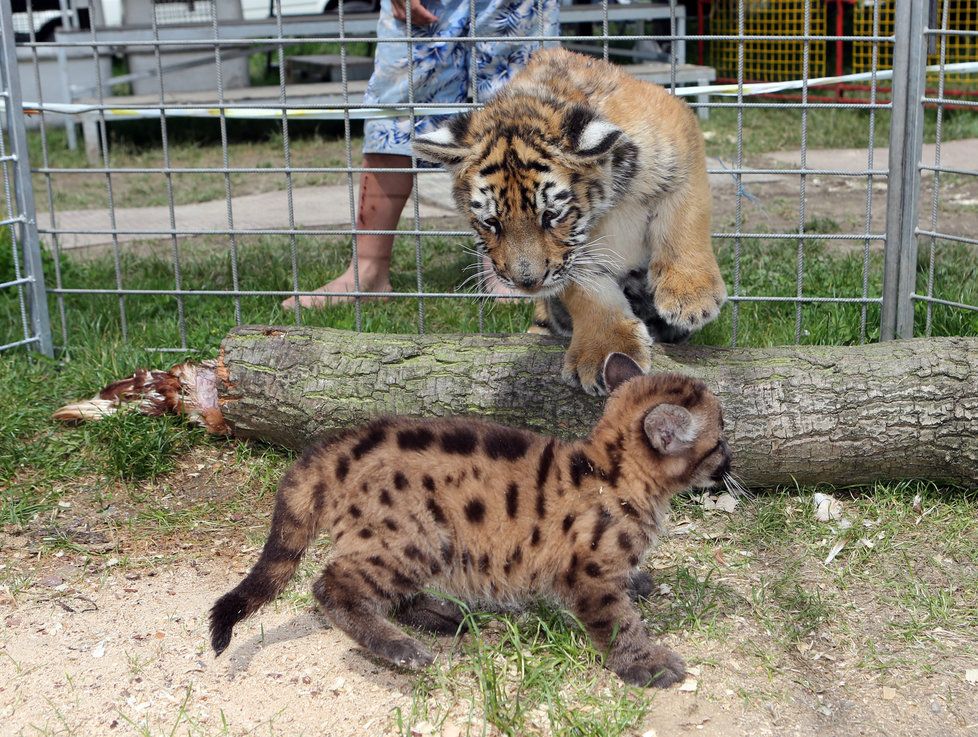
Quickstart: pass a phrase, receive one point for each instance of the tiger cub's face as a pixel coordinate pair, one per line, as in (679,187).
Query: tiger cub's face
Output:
(533,180)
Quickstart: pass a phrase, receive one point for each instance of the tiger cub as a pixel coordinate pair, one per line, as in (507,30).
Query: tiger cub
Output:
(492,515)
(587,188)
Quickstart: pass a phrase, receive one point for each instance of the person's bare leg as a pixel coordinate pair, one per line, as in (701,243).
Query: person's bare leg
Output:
(382,198)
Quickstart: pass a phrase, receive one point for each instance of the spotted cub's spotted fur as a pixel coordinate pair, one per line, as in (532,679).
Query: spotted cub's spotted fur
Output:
(492,515)
(587,188)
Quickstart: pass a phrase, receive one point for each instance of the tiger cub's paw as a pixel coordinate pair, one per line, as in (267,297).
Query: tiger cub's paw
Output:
(689,302)
(590,346)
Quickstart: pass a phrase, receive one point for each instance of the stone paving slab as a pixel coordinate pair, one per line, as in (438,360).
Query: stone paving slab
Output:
(325,206)
(961,154)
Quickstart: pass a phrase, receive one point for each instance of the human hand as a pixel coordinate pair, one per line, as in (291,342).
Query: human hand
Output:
(420,16)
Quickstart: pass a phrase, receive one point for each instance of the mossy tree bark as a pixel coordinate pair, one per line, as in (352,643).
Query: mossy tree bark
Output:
(839,415)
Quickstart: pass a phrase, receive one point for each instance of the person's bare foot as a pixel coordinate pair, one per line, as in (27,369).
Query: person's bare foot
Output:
(370,281)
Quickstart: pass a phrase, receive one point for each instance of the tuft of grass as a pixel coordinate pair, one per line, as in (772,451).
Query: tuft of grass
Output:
(697,601)
(532,673)
(772,129)
(791,608)
(135,447)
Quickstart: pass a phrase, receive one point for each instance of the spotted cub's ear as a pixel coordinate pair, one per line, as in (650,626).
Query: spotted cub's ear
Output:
(445,145)
(619,368)
(589,136)
(670,428)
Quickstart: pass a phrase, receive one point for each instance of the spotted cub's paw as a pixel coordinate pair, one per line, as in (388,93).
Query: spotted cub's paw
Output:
(406,653)
(591,345)
(658,667)
(688,301)
(434,615)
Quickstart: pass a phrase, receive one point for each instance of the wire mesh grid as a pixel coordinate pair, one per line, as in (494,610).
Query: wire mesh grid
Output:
(263,217)
(962,15)
(954,31)
(22,279)
(769,58)
(182,11)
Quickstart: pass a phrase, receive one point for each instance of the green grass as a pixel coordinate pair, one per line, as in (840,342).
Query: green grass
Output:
(134,447)
(532,673)
(767,268)
(191,144)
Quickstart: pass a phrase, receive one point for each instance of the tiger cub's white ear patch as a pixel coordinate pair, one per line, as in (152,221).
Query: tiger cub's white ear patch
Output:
(443,145)
(439,137)
(597,138)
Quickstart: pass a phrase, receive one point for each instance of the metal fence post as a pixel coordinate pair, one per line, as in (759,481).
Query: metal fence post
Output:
(903,181)
(23,187)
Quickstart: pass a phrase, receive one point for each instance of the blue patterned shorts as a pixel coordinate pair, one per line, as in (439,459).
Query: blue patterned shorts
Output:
(441,68)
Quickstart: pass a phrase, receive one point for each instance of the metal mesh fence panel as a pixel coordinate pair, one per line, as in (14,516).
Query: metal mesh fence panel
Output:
(962,16)
(24,301)
(769,58)
(940,231)
(210,200)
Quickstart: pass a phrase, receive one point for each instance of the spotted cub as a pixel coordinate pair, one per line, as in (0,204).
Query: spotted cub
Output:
(493,516)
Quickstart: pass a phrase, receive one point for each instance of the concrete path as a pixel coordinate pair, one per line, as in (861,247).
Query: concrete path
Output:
(326,206)
(329,205)
(955,154)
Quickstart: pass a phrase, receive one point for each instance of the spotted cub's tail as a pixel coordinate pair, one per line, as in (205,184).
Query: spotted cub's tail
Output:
(295,522)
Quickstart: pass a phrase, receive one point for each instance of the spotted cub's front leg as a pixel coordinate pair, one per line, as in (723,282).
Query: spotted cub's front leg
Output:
(614,624)
(603,323)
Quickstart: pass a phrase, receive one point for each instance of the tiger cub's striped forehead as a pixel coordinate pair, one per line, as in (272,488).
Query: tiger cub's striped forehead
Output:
(517,175)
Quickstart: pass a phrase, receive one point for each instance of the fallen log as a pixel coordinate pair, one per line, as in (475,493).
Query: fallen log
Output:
(811,414)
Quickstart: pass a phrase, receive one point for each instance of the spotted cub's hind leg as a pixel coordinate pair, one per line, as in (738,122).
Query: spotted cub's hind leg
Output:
(357,594)
(425,612)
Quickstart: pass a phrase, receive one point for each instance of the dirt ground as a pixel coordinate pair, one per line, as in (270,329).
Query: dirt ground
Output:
(837,204)
(106,634)
(126,653)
